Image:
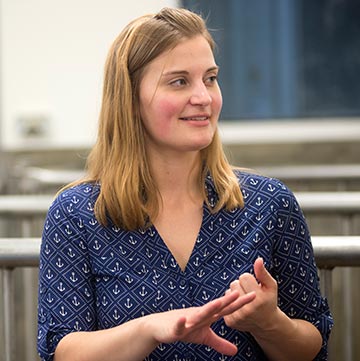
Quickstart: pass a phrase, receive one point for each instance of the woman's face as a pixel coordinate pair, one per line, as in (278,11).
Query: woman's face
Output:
(180,99)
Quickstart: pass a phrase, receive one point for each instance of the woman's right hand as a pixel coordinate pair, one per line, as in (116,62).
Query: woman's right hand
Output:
(186,325)
(193,324)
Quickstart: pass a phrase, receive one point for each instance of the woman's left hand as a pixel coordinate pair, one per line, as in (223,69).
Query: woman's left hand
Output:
(258,315)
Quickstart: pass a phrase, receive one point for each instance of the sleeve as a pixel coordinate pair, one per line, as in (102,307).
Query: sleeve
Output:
(66,300)
(295,269)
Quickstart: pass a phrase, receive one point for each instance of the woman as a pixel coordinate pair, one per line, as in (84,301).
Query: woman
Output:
(164,252)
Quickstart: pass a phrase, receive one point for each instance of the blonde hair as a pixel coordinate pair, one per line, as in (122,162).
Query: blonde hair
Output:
(128,193)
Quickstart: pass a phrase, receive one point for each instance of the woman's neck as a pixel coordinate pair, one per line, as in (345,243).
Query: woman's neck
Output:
(177,177)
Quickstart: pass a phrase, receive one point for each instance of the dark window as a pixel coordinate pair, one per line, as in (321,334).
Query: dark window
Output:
(286,58)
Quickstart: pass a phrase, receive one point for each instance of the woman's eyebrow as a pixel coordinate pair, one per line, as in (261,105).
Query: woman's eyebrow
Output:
(185,72)
(175,72)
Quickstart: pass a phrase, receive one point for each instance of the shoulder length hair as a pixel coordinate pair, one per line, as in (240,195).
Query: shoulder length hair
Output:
(118,161)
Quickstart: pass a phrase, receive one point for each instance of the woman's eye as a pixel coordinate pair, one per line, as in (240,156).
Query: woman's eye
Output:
(178,82)
(211,79)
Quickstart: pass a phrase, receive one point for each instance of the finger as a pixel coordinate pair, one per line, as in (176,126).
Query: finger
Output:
(240,302)
(179,326)
(221,345)
(235,286)
(262,274)
(208,311)
(248,283)
(221,302)
(220,307)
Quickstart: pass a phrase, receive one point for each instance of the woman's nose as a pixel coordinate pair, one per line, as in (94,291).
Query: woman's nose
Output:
(200,95)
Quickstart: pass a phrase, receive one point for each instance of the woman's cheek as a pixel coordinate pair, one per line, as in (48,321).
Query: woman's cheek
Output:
(217,102)
(168,112)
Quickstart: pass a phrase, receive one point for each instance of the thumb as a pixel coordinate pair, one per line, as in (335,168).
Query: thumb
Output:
(262,274)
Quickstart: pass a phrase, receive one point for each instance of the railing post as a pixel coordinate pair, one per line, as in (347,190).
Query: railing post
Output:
(28,276)
(8,313)
(327,290)
(326,284)
(347,297)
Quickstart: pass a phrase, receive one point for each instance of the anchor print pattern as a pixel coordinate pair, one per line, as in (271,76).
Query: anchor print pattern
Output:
(95,277)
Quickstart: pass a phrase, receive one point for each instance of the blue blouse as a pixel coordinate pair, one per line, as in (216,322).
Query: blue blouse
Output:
(94,277)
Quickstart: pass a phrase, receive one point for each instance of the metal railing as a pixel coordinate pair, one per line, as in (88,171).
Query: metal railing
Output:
(338,172)
(339,175)
(330,252)
(29,208)
(311,177)
(339,202)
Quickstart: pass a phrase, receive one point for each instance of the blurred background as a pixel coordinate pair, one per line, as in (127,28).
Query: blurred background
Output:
(290,77)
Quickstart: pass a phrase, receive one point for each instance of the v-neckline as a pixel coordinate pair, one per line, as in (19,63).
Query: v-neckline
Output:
(193,250)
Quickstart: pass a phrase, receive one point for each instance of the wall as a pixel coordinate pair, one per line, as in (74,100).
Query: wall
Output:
(52,55)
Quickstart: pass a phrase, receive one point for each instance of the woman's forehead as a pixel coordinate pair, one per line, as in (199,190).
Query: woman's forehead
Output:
(189,53)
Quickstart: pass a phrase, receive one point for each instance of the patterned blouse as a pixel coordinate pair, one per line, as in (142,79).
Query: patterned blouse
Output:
(94,277)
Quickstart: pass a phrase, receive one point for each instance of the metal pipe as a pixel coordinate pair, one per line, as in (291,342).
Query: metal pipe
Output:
(19,252)
(337,172)
(336,251)
(8,313)
(330,251)
(25,205)
(339,202)
(329,202)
